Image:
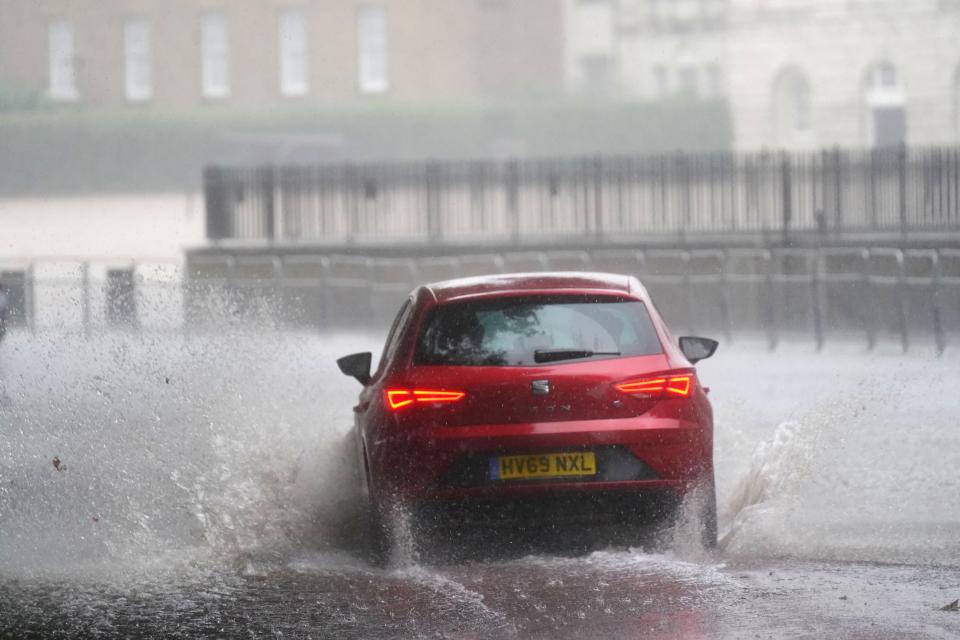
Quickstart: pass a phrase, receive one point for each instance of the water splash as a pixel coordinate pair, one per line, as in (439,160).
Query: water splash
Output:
(181,448)
(860,474)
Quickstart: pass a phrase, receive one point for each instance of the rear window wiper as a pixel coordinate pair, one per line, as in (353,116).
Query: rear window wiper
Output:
(553,355)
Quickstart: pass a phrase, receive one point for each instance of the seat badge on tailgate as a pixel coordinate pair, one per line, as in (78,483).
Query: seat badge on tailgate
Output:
(540,387)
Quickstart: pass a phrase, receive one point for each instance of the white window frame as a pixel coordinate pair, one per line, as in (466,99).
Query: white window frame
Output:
(214,55)
(373,50)
(62,61)
(137,60)
(294,53)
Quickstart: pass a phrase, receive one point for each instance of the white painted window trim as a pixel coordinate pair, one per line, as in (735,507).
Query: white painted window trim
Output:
(294,53)
(373,50)
(137,60)
(62,61)
(214,55)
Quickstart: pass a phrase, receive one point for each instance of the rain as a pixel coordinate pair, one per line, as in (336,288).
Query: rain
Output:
(203,205)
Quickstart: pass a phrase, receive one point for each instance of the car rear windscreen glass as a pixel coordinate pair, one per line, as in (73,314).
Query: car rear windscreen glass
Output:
(513,331)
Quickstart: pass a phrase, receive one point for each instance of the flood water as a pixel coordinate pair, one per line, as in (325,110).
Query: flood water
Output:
(160,485)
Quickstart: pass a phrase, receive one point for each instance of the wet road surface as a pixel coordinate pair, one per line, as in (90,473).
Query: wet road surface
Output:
(157,486)
(603,595)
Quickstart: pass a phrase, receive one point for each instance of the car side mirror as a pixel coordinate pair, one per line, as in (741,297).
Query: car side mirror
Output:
(697,349)
(357,365)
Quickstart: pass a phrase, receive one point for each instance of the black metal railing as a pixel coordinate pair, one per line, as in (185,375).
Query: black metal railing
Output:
(873,294)
(830,193)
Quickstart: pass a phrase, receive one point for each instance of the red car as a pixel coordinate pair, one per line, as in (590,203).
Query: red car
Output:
(533,400)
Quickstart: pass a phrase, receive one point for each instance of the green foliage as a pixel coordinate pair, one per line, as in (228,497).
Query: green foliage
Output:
(14,98)
(59,151)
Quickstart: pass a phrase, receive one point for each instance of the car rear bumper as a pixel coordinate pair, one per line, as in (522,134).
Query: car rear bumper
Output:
(598,507)
(425,465)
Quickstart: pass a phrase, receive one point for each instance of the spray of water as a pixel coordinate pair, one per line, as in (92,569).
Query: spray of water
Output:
(861,474)
(132,449)
(141,452)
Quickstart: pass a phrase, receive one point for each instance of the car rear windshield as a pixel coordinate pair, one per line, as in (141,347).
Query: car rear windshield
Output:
(510,331)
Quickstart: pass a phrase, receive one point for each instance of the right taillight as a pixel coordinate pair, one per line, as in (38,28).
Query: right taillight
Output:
(661,386)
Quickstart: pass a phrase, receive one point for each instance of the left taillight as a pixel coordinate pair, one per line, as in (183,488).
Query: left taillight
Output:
(669,385)
(400,398)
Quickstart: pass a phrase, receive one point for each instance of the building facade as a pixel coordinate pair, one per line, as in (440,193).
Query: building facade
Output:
(797,74)
(251,54)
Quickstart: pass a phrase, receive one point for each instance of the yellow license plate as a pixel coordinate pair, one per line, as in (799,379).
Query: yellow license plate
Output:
(543,465)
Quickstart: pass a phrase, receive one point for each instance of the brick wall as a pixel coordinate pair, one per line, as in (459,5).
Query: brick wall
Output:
(438,50)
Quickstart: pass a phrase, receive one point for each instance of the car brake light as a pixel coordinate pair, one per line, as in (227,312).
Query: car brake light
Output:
(678,386)
(399,398)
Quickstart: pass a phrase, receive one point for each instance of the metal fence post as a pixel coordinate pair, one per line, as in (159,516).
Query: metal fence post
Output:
(688,293)
(684,163)
(219,213)
(902,179)
(816,299)
(838,190)
(872,193)
(598,197)
(770,308)
(430,177)
(787,195)
(327,295)
(349,190)
(935,310)
(867,282)
(902,291)
(267,184)
(725,299)
(512,187)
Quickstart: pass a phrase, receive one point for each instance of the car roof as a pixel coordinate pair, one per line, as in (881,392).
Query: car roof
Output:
(554,282)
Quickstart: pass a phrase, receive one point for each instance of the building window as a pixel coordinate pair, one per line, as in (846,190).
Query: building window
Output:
(294,62)
(62,60)
(137,60)
(714,80)
(688,79)
(597,75)
(661,80)
(374,73)
(791,106)
(214,56)
(884,76)
(885,107)
(956,102)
